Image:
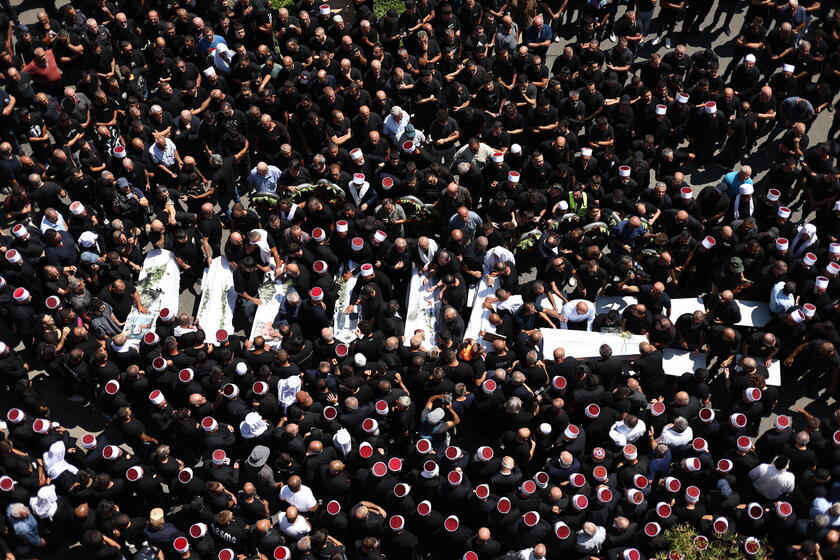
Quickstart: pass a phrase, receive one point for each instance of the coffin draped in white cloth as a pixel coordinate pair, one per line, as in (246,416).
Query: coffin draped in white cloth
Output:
(158,284)
(218,299)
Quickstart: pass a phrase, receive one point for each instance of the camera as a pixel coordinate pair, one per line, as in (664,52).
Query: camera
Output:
(446,399)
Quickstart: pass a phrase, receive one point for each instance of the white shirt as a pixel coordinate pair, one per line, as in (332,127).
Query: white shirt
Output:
(393,128)
(165,155)
(303,499)
(570,312)
(673,438)
(296,530)
(621,433)
(770,482)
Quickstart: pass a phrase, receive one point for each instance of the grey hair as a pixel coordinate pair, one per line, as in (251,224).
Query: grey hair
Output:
(18,510)
(513,405)
(680,423)
(293,298)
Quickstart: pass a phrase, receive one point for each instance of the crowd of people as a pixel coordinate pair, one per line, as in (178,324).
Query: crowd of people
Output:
(316,142)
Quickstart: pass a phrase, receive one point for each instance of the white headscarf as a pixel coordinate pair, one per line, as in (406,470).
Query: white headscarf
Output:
(426,256)
(253,425)
(54,461)
(265,250)
(45,504)
(811,230)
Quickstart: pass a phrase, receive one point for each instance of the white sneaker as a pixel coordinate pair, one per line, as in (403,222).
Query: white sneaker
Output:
(612,37)
(667,42)
(656,41)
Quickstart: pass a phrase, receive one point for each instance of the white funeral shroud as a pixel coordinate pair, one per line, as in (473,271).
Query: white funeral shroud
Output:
(159,287)
(272,294)
(422,309)
(586,344)
(344,324)
(218,299)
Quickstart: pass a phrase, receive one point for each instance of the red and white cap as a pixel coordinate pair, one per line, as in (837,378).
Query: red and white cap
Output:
(185,475)
(773,195)
(692,464)
(395,464)
(15,416)
(738,420)
(41,426)
(586,151)
(112,387)
(380,235)
(640,481)
(365,450)
(797,316)
(701,542)
(482,491)
(324,9)
(430,469)
(342,226)
(577,480)
(111,452)
(401,489)
(166,314)
(541,479)
(186,375)
(367,270)
(159,364)
(661,109)
(156,397)
(134,473)
(692,494)
(592,411)
(13,256)
(484,453)
(226,554)
(528,487)
(784,509)
(489,386)
(19,231)
(333,507)
(230,390)
(743,443)
(87,441)
(7,483)
(388,183)
(208,423)
(424,508)
(834,249)
(821,283)
(832,268)
(222,336)
(318,234)
(682,97)
(219,457)
(663,510)
(657,408)
(150,338)
(381,407)
(53,303)
(580,502)
(686,193)
(782,244)
(708,242)
(624,171)
(396,522)
(810,259)
(451,523)
(408,146)
(531,518)
(453,452)
(635,496)
(755,510)
(358,178)
(503,505)
(751,545)
(341,350)
(469,555)
(77,208)
(724,465)
(631,554)
(282,553)
(198,530)
(700,445)
(21,294)
(783,422)
(513,176)
(562,531)
(370,425)
(379,469)
(604,495)
(559,382)
(181,545)
(571,431)
(672,484)
(600,473)
(599,454)
(260,388)
(454,478)
(710,107)
(319,267)
(652,529)
(630,452)
(752,394)
(357,244)
(783,212)
(316,294)
(423,445)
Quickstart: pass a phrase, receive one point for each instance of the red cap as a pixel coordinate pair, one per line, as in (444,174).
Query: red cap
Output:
(181,545)
(395,464)
(451,523)
(226,554)
(222,335)
(503,505)
(652,529)
(401,489)
(333,507)
(701,542)
(531,518)
(559,382)
(282,553)
(423,445)
(454,478)
(424,508)
(562,531)
(528,487)
(482,491)
(341,350)
(6,484)
(452,452)
(663,510)
(185,475)
(397,522)
(379,469)
(330,413)
(366,450)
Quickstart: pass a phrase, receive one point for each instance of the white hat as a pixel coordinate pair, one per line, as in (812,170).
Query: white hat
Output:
(209,71)
(745,189)
(750,58)
(631,554)
(797,316)
(21,294)
(166,314)
(809,309)
(753,394)
(498,157)
(341,226)
(87,441)
(571,431)
(810,259)
(586,151)
(359,178)
(743,443)
(630,452)
(783,212)
(661,109)
(513,177)
(706,414)
(773,195)
(682,97)
(77,208)
(710,107)
(692,494)
(737,420)
(208,424)
(430,469)
(624,171)
(316,294)
(686,193)
(692,464)
(515,149)
(708,242)
(782,244)
(112,387)
(832,268)
(356,153)
(821,282)
(357,243)
(367,270)
(13,256)
(324,9)
(834,248)
(788,68)
(19,231)
(380,235)
(720,525)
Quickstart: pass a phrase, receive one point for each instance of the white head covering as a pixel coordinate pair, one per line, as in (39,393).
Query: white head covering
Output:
(54,461)
(45,504)
(253,425)
(800,250)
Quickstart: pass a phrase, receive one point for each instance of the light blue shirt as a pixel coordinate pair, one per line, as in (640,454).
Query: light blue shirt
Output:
(26,529)
(732,183)
(267,182)
(779,300)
